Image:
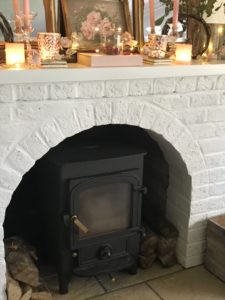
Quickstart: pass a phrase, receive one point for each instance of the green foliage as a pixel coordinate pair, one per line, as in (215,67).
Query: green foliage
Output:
(190,7)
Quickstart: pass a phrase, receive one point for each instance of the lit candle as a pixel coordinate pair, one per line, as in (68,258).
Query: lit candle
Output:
(175,14)
(220,30)
(15,54)
(26,7)
(118,38)
(152,16)
(183,53)
(16,7)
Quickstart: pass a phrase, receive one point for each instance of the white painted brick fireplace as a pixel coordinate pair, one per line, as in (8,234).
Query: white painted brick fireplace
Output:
(182,107)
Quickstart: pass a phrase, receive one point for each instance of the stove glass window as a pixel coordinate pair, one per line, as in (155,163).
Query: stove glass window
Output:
(105,208)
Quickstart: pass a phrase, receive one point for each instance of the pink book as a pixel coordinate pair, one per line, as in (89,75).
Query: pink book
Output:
(101,60)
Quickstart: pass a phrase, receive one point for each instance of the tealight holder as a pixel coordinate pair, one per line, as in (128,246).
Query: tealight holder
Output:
(156,46)
(183,52)
(15,54)
(49,45)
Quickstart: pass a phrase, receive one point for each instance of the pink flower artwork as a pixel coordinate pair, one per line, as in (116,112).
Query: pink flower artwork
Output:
(87,30)
(105,27)
(94,18)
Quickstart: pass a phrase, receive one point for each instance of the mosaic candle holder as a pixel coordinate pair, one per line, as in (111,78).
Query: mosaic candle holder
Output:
(156,46)
(48,44)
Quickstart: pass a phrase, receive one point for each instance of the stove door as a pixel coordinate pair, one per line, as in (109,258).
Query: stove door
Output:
(104,206)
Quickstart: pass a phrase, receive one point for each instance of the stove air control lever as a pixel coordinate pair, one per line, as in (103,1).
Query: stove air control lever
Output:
(80,225)
(105,252)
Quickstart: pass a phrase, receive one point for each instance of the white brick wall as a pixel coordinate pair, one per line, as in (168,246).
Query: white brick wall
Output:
(186,116)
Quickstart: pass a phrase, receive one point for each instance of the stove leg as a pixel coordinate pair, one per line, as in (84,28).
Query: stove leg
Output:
(64,272)
(133,269)
(63,286)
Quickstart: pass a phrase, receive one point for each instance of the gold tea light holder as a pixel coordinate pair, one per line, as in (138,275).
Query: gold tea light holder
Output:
(156,47)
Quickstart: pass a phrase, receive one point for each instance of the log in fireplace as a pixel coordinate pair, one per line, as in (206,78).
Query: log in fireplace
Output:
(88,206)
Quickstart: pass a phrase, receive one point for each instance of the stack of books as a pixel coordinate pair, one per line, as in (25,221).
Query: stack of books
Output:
(51,63)
(2,53)
(157,61)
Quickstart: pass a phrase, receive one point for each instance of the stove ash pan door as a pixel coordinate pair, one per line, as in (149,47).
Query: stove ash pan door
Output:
(106,214)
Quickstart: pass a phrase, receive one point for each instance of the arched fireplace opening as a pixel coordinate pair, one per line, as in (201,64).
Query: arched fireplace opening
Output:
(31,206)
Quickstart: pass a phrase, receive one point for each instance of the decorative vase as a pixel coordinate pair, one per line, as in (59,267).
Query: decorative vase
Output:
(216,48)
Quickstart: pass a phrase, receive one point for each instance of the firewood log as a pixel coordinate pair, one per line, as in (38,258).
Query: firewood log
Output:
(22,268)
(149,244)
(41,292)
(41,296)
(146,262)
(20,262)
(148,250)
(26,292)
(13,289)
(166,251)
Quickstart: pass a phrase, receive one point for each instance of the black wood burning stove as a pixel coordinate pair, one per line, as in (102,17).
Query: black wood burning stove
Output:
(88,207)
(91,195)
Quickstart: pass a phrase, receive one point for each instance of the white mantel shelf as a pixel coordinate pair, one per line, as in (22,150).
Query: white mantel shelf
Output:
(77,72)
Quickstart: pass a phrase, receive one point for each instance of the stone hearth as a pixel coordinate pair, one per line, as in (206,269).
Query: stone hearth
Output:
(181,107)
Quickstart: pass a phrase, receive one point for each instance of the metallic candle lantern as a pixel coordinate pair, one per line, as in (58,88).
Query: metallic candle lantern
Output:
(15,54)
(216,23)
(48,44)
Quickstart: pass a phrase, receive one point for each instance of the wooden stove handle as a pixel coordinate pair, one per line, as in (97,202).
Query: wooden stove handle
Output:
(79,224)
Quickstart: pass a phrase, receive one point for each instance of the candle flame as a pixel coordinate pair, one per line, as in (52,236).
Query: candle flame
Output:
(220,30)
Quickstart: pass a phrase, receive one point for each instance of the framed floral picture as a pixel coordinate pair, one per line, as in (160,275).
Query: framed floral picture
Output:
(92,19)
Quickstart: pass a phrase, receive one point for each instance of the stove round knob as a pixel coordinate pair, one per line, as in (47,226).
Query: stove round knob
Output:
(105,252)
(74,254)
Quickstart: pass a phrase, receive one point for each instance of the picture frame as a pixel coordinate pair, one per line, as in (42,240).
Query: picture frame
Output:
(138,21)
(50,15)
(91,18)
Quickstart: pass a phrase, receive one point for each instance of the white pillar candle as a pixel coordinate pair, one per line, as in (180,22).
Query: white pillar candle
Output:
(183,53)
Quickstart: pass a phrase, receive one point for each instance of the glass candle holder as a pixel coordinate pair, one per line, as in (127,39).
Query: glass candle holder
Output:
(183,52)
(48,45)
(155,47)
(217,42)
(15,54)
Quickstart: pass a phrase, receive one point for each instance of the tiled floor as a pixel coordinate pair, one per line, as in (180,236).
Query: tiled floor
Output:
(156,283)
